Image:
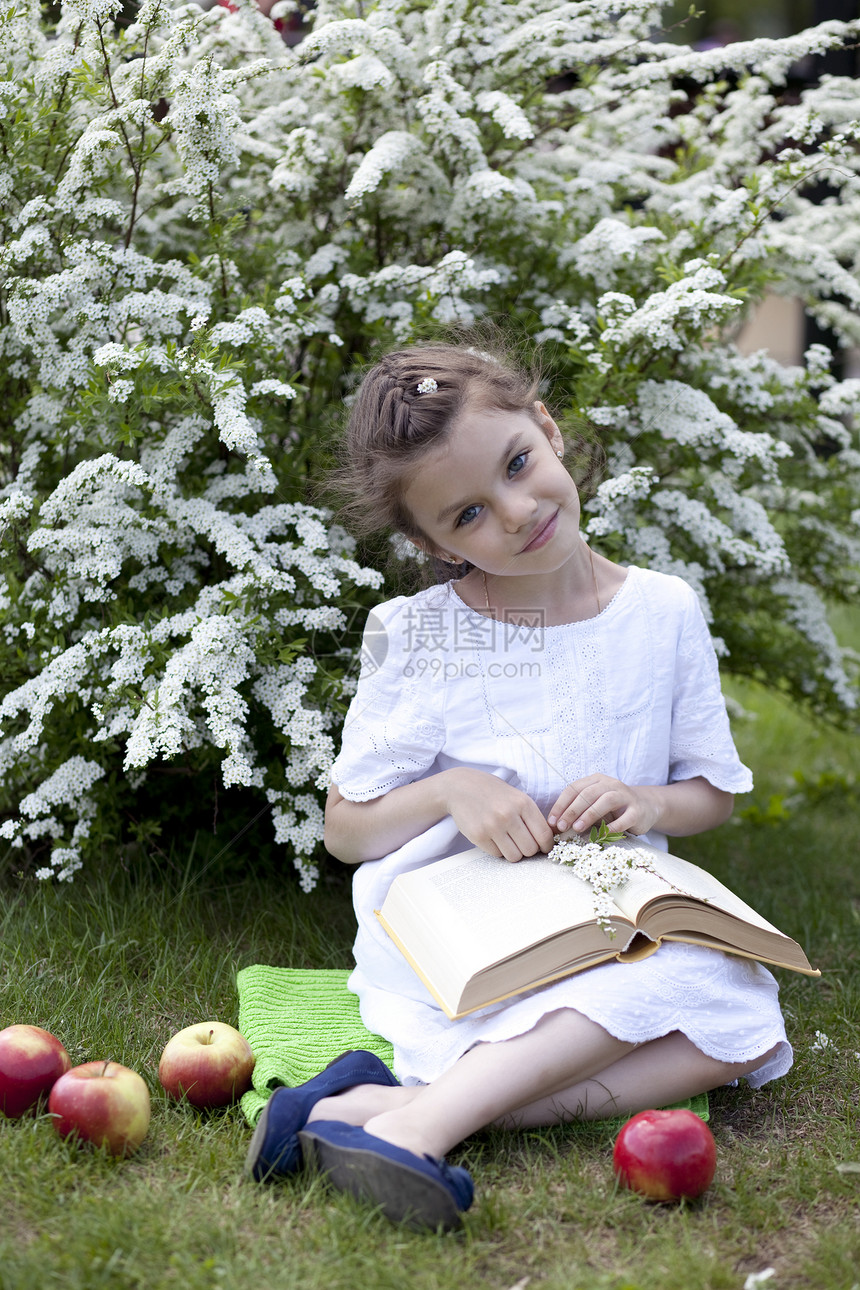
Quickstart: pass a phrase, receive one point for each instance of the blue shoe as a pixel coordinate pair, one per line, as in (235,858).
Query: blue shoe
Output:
(412,1189)
(274,1149)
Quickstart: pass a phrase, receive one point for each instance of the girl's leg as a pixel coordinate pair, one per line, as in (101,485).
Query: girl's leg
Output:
(486,1083)
(566,1068)
(492,1080)
(360,1103)
(654,1074)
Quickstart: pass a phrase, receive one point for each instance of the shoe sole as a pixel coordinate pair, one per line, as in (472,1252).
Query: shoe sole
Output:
(405,1195)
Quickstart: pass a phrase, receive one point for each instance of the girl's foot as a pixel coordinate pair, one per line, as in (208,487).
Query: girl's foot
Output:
(274,1149)
(409,1188)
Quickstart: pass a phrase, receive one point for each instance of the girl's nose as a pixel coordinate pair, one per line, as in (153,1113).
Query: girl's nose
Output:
(518,511)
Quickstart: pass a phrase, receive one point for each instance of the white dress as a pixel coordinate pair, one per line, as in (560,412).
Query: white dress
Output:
(633,693)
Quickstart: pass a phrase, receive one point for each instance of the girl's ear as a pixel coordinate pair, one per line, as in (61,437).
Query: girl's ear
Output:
(429,549)
(548,426)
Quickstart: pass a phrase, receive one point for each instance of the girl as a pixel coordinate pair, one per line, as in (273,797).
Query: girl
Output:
(541,688)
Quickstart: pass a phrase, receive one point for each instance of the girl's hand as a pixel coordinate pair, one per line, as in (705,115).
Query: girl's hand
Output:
(678,809)
(586,802)
(495,816)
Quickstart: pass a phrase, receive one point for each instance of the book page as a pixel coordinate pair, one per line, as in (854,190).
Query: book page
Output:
(680,876)
(506,907)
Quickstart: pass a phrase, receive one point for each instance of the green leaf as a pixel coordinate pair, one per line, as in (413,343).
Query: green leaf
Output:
(603,836)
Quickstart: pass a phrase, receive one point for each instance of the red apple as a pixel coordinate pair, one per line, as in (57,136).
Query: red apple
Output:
(103,1103)
(31,1061)
(209,1064)
(665,1155)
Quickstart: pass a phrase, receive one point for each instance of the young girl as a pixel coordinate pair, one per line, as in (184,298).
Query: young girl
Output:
(541,688)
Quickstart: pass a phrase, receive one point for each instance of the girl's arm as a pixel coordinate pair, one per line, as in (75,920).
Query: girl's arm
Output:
(679,809)
(492,814)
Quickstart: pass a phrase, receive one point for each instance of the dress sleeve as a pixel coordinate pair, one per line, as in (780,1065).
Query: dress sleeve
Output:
(395,723)
(701,740)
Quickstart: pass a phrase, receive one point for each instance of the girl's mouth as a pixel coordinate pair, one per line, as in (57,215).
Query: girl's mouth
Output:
(543,534)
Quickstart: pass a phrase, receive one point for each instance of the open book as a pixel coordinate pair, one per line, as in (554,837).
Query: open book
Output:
(477,929)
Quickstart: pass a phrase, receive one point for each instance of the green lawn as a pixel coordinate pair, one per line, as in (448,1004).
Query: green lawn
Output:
(118,961)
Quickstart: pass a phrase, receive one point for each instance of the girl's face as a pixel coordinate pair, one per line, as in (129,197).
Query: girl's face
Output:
(496,494)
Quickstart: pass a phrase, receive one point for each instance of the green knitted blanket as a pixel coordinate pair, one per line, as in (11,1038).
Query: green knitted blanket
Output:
(297,1020)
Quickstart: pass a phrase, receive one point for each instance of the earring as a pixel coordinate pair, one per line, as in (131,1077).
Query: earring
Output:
(559,452)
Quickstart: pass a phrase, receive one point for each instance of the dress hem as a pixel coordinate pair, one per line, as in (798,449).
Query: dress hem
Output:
(784,1053)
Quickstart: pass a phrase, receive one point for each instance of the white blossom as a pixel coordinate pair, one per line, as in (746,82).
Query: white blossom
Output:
(64,787)
(506,112)
(609,245)
(661,321)
(807,612)
(390,151)
(605,866)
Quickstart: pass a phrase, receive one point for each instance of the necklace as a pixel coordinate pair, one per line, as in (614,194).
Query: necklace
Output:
(593,583)
(486,593)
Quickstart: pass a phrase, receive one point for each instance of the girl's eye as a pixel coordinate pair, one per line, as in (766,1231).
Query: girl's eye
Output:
(518,463)
(466,516)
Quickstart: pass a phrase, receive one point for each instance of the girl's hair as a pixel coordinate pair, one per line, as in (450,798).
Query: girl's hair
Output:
(391,426)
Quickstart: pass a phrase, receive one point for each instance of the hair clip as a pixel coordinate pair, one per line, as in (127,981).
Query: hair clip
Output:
(427,386)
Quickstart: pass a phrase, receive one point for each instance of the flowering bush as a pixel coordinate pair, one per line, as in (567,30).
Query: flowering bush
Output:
(202,229)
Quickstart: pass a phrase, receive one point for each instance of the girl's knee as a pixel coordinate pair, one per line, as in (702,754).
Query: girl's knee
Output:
(746,1068)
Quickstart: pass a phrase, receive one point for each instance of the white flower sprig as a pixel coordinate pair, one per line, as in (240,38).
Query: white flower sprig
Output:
(603,865)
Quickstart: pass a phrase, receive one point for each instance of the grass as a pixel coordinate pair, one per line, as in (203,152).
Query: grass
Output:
(120,960)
